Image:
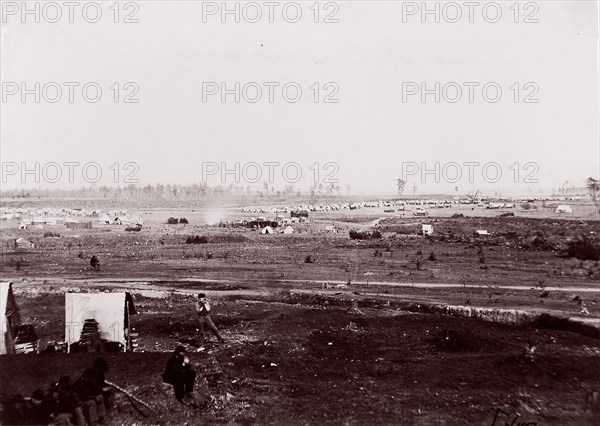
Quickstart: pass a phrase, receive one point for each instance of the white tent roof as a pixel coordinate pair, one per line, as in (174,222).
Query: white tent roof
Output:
(7,306)
(288,230)
(108,309)
(267,230)
(104,218)
(4,290)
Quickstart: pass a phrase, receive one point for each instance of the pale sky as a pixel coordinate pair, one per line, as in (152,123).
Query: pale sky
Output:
(368,54)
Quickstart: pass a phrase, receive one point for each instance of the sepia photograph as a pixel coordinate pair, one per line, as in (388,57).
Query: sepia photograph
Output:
(309,212)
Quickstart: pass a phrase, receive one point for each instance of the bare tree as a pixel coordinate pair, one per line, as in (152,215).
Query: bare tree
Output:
(401,184)
(593,186)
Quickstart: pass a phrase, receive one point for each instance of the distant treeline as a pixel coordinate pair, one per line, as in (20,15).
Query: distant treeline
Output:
(148,192)
(169,192)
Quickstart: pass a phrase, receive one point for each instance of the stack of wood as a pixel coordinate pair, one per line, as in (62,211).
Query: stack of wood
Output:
(27,341)
(89,341)
(133,340)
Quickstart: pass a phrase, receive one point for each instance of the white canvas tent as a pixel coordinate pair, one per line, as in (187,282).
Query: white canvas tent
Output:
(427,229)
(10,318)
(23,244)
(104,219)
(267,230)
(563,208)
(288,230)
(110,310)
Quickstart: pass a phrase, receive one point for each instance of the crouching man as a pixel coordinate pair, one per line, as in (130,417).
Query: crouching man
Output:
(70,408)
(179,373)
(91,386)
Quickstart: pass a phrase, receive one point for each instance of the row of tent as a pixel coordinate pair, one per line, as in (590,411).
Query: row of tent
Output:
(321,207)
(8,213)
(105,219)
(427,229)
(39,221)
(110,311)
(430,203)
(267,230)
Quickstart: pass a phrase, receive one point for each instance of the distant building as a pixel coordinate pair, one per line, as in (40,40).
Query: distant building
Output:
(427,229)
(298,213)
(23,244)
(79,225)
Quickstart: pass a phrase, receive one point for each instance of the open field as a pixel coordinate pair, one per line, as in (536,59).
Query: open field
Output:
(295,353)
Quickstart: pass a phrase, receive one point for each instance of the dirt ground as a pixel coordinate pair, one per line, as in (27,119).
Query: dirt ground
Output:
(315,364)
(307,361)
(521,251)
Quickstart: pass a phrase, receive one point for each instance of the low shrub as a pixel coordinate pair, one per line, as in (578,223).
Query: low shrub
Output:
(583,249)
(228,238)
(198,239)
(365,235)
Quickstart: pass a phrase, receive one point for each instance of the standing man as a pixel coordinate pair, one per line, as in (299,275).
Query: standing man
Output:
(95,263)
(203,311)
(179,373)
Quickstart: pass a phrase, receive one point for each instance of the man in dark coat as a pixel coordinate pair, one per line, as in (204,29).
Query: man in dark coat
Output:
(95,263)
(179,373)
(71,407)
(32,412)
(92,386)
